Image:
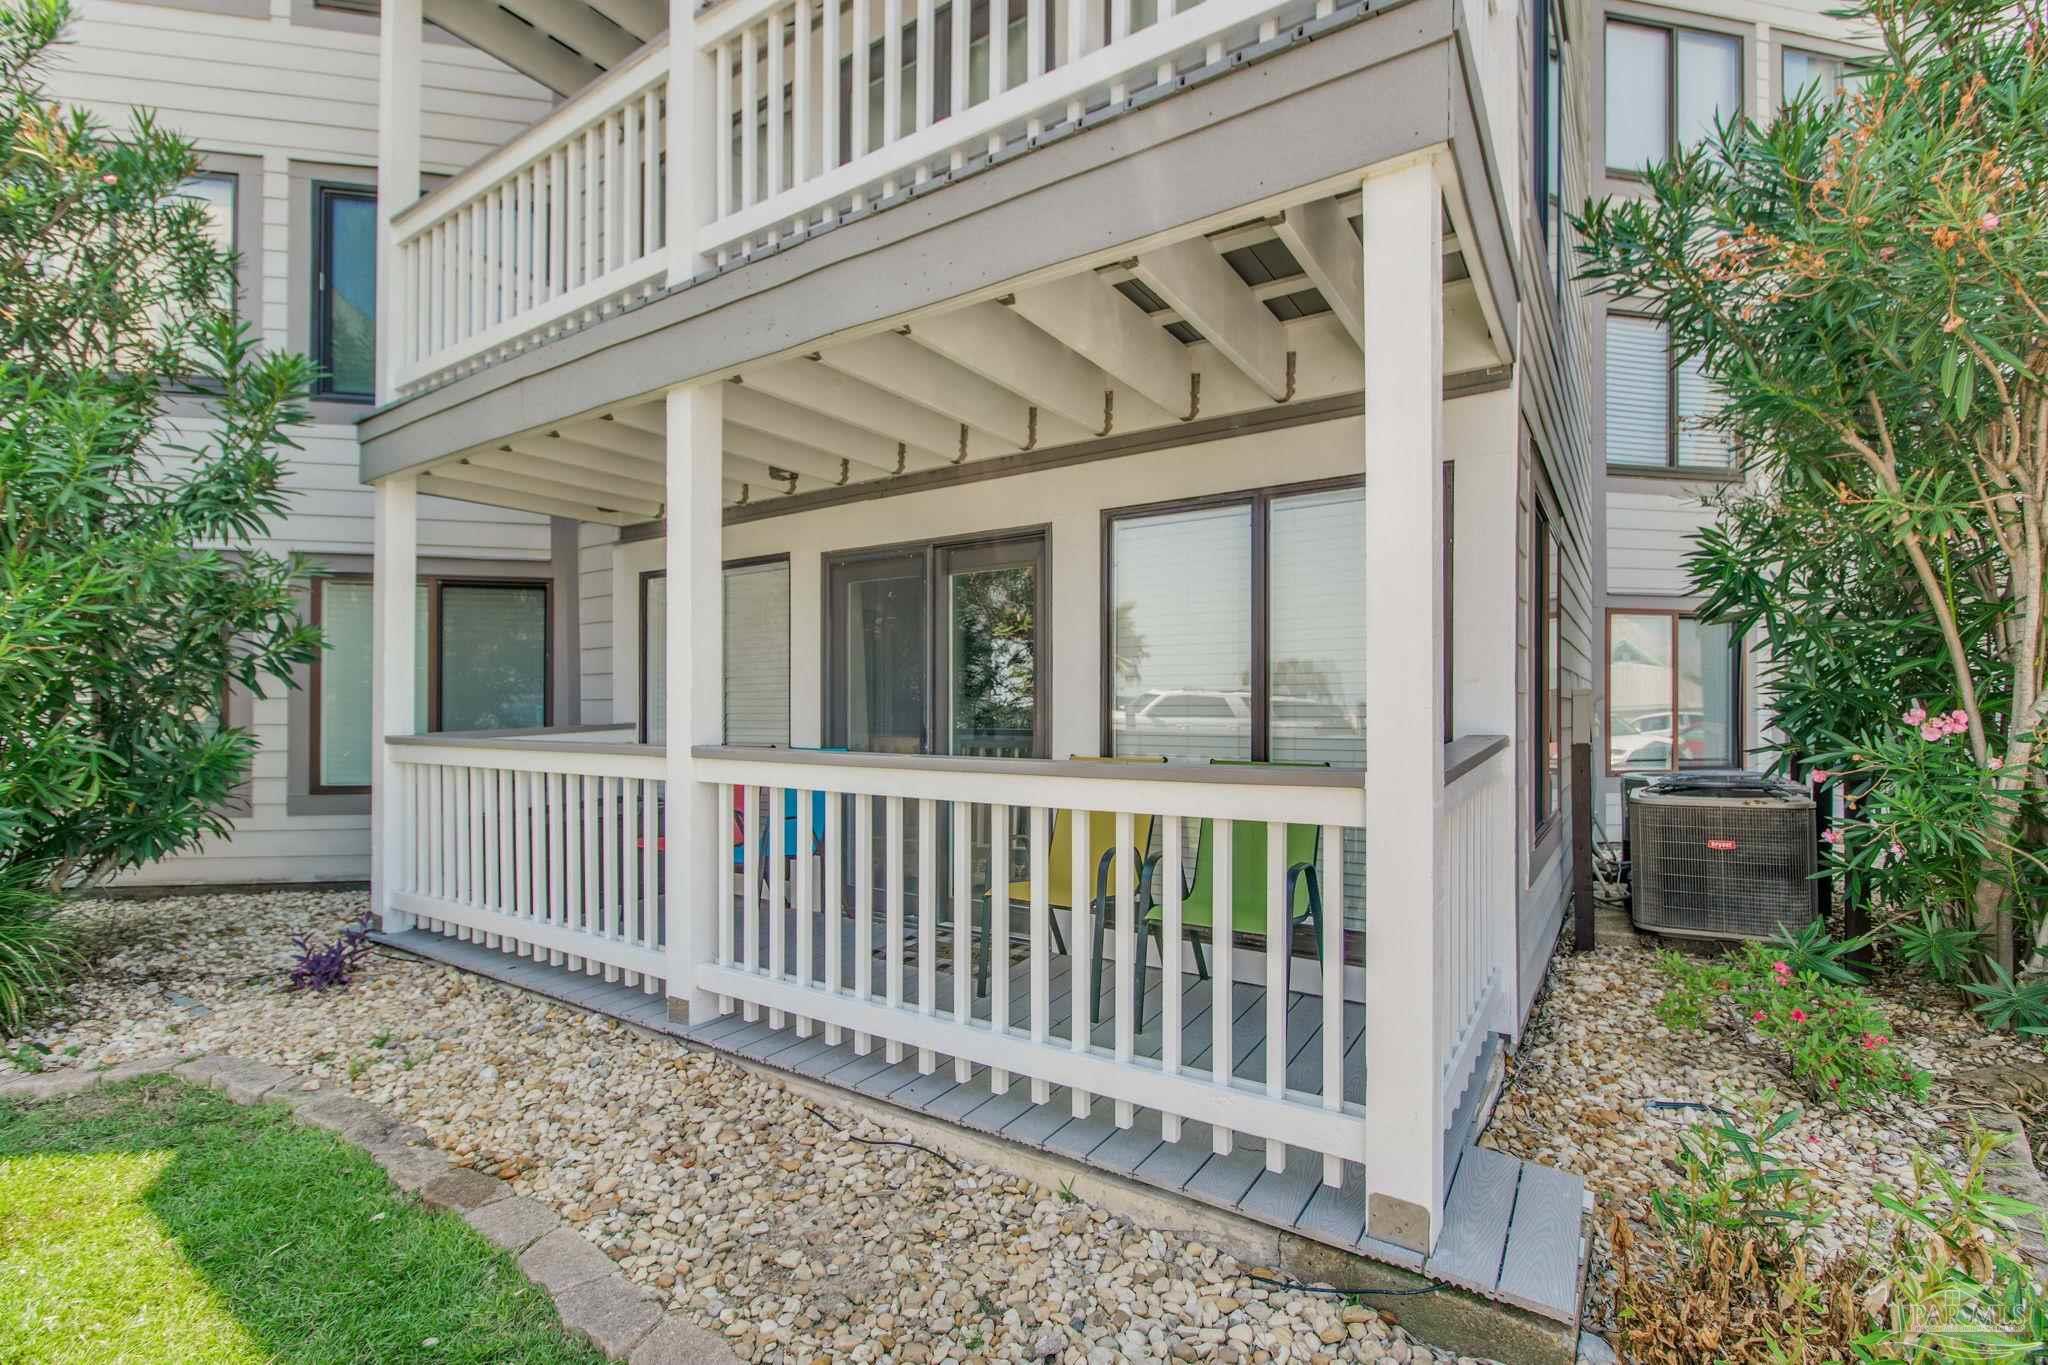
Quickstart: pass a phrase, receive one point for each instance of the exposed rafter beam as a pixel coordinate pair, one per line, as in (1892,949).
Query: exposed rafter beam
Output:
(440,486)
(639,442)
(538,485)
(821,388)
(732,490)
(1322,241)
(1004,349)
(641,18)
(589,458)
(526,50)
(1086,315)
(1195,281)
(749,406)
(894,364)
(801,459)
(577,25)
(598,483)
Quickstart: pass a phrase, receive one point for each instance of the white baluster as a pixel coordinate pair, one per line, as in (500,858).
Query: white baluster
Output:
(828,89)
(1036,853)
(1127,964)
(927,919)
(653,139)
(723,131)
(750,893)
(750,97)
(804,896)
(963,928)
(803,98)
(927,67)
(892,910)
(633,154)
(835,928)
(1081,944)
(1171,979)
(776,803)
(1221,1015)
(723,852)
(962,22)
(773,114)
(1279,948)
(861,76)
(1333,987)
(593,199)
(863,909)
(998,946)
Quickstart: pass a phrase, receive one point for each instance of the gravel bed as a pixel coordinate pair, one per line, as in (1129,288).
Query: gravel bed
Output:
(1595,1062)
(716,1187)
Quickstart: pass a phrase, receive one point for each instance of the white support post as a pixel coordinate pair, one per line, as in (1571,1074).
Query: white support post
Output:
(697,838)
(1403,380)
(395,569)
(398,176)
(693,142)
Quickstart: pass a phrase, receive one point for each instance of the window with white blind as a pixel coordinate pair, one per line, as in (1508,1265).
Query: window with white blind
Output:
(480,662)
(1666,88)
(756,616)
(1801,72)
(1656,410)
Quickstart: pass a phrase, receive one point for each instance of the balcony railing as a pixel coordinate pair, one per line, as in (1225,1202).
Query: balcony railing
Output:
(555,229)
(813,150)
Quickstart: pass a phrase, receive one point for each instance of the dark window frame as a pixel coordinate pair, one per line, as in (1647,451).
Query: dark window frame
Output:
(643,722)
(1728,473)
(1735,694)
(1671,30)
(1260,501)
(936,553)
(320,340)
(1546,683)
(434,583)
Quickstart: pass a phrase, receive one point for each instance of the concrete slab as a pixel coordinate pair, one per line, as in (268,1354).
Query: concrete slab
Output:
(562,1260)
(514,1223)
(462,1190)
(676,1342)
(609,1313)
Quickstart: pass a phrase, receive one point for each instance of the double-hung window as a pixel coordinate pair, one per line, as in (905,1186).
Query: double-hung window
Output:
(344,342)
(1800,71)
(756,685)
(480,662)
(1673,693)
(1666,87)
(1657,409)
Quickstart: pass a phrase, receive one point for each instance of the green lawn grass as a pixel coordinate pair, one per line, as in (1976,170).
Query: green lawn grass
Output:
(157,1222)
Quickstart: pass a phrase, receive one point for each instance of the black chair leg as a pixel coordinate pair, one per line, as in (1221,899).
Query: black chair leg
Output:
(1095,973)
(1142,964)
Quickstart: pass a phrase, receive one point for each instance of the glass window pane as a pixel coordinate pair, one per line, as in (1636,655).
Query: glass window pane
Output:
(654,661)
(1801,71)
(1638,392)
(494,656)
(346,348)
(344,701)
(1709,82)
(1706,721)
(882,622)
(1317,628)
(1181,633)
(1699,447)
(993,661)
(1639,692)
(756,613)
(1638,102)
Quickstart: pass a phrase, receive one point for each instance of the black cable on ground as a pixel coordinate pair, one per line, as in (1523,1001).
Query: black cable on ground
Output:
(822,1117)
(1343,1293)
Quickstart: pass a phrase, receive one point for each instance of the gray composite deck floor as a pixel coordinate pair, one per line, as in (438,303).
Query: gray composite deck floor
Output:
(1511,1227)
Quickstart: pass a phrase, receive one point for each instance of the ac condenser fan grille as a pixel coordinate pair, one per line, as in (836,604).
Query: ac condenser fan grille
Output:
(1727,860)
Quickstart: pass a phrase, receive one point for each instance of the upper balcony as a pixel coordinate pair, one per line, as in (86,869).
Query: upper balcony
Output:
(805,115)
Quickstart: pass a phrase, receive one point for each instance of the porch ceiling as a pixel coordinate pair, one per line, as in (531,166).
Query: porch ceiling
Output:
(1263,313)
(563,44)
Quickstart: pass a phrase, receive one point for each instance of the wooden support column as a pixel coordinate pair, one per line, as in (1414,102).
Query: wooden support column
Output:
(692,111)
(394,662)
(697,834)
(1404,727)
(398,175)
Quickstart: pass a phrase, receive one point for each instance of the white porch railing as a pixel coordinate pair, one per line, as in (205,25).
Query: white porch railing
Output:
(536,846)
(887,987)
(554,229)
(806,151)
(1475,915)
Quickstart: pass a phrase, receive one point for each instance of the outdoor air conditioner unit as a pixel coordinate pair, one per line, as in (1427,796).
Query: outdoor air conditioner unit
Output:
(1722,856)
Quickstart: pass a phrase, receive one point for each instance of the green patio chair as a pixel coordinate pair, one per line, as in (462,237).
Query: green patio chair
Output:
(1303,892)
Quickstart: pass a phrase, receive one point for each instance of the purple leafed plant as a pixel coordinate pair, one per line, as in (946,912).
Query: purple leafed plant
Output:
(318,968)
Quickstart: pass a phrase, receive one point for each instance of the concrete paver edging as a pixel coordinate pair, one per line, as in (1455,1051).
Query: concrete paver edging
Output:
(595,1302)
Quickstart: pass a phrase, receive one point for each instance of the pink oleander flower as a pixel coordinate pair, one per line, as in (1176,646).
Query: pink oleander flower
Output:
(1898,851)
(1798,1016)
(1832,838)
(1989,222)
(1915,714)
(1782,968)
(110,180)
(1932,731)
(1994,763)
(1821,775)
(1757,1018)
(1951,323)
(1873,1041)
